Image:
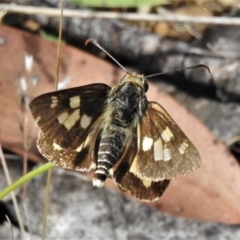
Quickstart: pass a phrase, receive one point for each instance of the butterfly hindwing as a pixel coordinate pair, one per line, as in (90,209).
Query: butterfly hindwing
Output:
(82,158)
(141,188)
(164,151)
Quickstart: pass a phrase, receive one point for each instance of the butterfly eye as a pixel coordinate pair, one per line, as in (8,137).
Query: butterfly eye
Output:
(145,86)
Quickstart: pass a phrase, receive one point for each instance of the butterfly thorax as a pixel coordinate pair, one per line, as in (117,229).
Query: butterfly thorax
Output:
(127,103)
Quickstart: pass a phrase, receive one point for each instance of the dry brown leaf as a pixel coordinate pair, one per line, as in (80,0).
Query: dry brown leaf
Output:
(211,193)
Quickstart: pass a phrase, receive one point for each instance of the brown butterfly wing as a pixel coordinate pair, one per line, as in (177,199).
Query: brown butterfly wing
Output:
(70,128)
(164,151)
(142,188)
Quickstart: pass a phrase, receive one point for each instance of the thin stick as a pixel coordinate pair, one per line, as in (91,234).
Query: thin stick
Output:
(13,196)
(10,224)
(47,203)
(123,16)
(59,45)
(232,140)
(49,175)
(25,147)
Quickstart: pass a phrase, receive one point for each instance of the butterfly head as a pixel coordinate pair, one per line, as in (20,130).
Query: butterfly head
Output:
(135,79)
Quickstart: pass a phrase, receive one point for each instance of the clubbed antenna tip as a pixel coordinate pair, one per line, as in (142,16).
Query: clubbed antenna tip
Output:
(92,40)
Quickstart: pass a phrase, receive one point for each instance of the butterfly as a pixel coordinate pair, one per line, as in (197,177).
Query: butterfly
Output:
(116,132)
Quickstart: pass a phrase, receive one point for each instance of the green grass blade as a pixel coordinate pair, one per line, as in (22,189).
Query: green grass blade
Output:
(25,178)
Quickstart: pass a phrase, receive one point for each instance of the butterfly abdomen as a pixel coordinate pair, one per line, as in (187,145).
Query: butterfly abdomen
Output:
(110,148)
(124,115)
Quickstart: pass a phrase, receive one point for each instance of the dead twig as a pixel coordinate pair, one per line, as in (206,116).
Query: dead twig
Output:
(174,18)
(13,196)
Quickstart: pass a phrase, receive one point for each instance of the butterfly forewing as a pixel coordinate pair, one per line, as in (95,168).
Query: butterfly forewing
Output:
(69,126)
(67,116)
(164,151)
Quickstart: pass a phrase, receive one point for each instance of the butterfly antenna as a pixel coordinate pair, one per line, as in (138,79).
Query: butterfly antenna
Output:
(92,40)
(180,69)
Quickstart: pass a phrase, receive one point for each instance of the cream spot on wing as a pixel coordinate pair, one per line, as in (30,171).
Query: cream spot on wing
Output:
(147,143)
(84,144)
(169,132)
(53,105)
(158,150)
(133,168)
(54,101)
(138,136)
(38,119)
(87,141)
(166,154)
(75,102)
(62,117)
(93,165)
(147,182)
(167,135)
(111,172)
(181,150)
(72,119)
(183,147)
(56,146)
(79,149)
(85,121)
